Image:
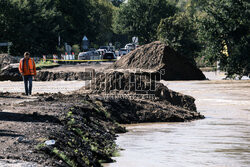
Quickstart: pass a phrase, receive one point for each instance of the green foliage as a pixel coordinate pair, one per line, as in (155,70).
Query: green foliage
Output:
(224,30)
(60,50)
(64,157)
(141,18)
(179,32)
(40,146)
(34,26)
(43,64)
(76,49)
(27,23)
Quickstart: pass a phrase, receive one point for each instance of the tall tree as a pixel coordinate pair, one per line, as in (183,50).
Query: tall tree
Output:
(30,25)
(224,29)
(35,25)
(142,17)
(180,33)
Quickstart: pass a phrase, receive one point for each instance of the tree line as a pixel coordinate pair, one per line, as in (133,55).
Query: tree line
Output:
(217,30)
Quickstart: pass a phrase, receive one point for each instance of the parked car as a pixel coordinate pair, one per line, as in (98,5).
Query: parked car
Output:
(130,46)
(112,48)
(101,51)
(109,56)
(123,51)
(108,48)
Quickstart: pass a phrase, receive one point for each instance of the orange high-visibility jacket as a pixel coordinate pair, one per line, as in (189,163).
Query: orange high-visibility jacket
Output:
(27,68)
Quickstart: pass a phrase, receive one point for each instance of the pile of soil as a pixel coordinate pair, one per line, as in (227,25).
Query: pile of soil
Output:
(84,123)
(66,76)
(158,57)
(6,59)
(144,98)
(10,72)
(82,128)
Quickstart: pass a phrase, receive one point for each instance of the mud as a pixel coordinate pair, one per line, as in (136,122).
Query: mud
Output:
(158,57)
(141,86)
(84,126)
(10,72)
(63,73)
(84,123)
(83,133)
(6,60)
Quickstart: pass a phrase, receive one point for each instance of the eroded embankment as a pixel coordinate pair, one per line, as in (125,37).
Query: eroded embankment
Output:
(83,127)
(83,130)
(66,76)
(11,72)
(84,123)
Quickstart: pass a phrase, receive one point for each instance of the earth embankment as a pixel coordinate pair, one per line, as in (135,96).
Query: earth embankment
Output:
(160,58)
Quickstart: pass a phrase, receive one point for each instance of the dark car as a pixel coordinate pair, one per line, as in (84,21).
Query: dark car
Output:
(109,56)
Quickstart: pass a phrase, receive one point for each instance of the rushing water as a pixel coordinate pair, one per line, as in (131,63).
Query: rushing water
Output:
(220,140)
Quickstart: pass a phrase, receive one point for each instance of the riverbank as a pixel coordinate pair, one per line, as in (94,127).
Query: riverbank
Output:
(84,126)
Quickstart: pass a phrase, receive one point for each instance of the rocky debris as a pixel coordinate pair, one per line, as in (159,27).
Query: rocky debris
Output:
(10,72)
(6,59)
(158,57)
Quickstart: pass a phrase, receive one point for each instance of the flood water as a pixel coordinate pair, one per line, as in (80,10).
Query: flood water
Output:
(220,140)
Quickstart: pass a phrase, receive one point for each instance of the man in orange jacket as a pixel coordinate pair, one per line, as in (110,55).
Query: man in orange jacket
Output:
(27,68)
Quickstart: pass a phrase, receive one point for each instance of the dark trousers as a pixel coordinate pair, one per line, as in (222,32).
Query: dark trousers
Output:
(27,84)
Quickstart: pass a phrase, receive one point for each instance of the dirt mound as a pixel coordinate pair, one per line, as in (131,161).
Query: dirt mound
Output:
(66,76)
(158,57)
(83,126)
(146,99)
(83,131)
(6,59)
(10,72)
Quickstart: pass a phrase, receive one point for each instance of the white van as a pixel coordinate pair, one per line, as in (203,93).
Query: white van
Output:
(130,46)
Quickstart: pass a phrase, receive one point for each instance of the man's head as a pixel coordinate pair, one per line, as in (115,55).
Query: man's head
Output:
(26,55)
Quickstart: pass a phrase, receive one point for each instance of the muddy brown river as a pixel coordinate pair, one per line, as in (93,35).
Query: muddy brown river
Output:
(220,140)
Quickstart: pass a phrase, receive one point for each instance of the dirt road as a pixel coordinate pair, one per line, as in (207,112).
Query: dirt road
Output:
(41,87)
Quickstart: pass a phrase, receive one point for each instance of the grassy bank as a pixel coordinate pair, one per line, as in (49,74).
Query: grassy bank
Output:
(46,64)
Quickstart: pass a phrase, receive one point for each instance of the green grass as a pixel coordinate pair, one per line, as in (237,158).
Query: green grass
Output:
(45,64)
(40,146)
(64,157)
